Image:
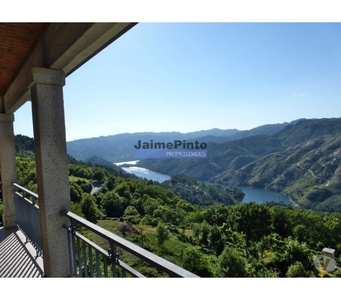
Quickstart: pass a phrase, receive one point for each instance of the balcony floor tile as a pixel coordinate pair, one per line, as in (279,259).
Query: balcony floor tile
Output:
(17,258)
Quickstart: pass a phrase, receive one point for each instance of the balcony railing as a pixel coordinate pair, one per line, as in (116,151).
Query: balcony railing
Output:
(27,216)
(88,259)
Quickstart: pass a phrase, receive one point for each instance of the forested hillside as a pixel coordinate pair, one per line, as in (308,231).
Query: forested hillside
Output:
(302,160)
(211,240)
(202,194)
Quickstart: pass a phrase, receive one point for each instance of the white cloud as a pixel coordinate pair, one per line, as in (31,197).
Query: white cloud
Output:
(299,94)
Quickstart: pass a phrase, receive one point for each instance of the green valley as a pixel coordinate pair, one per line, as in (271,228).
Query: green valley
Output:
(301,160)
(201,227)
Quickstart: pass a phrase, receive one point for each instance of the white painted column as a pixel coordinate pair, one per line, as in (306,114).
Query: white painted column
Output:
(52,169)
(8,168)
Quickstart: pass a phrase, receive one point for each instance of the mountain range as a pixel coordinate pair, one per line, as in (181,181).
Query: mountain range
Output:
(120,147)
(300,158)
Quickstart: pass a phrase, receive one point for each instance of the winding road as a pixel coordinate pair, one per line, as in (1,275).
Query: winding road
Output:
(313,174)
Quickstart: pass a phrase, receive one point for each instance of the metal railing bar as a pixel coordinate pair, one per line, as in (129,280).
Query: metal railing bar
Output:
(74,261)
(90,262)
(74,254)
(105,269)
(130,270)
(85,262)
(28,219)
(113,258)
(92,244)
(101,251)
(97,264)
(25,190)
(114,267)
(139,252)
(27,200)
(70,246)
(79,262)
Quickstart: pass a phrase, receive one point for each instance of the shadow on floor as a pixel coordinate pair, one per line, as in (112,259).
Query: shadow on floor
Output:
(17,258)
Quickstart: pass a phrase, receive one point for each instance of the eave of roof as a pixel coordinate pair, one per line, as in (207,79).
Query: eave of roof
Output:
(64,46)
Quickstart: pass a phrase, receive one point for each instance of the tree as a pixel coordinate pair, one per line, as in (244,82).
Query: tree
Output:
(162,233)
(111,183)
(299,232)
(263,245)
(280,221)
(216,239)
(252,219)
(291,252)
(194,261)
(77,209)
(113,204)
(297,270)
(205,231)
(85,185)
(319,194)
(89,208)
(165,214)
(123,190)
(231,264)
(132,215)
(75,192)
(216,214)
(196,216)
(99,175)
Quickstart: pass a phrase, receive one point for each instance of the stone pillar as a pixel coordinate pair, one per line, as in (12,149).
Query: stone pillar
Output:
(52,169)
(8,168)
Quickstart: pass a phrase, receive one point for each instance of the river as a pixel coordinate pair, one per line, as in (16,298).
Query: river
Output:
(143,172)
(251,194)
(263,196)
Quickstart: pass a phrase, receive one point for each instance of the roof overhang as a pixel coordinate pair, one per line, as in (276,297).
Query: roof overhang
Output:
(64,46)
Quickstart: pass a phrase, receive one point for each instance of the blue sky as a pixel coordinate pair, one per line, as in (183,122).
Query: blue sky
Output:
(193,76)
